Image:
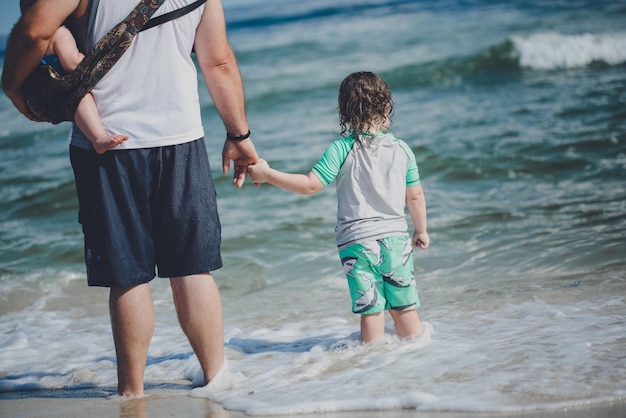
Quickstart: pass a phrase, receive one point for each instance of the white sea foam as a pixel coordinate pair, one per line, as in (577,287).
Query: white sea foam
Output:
(487,356)
(323,374)
(512,357)
(551,50)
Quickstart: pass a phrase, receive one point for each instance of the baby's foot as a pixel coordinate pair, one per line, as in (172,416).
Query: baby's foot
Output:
(107,141)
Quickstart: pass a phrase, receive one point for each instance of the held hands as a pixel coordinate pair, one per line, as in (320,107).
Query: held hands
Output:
(258,172)
(421,240)
(242,153)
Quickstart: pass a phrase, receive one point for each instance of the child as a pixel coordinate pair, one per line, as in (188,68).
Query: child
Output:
(376,176)
(64,56)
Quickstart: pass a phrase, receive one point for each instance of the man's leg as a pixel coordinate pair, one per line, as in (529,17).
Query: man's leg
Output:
(132,322)
(199,309)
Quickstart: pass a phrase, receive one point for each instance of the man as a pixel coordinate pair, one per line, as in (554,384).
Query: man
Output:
(149,204)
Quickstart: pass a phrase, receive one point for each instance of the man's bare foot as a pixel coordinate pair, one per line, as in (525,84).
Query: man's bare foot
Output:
(107,141)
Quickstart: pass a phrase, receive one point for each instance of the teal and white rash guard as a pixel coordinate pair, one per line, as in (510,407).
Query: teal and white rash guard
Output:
(371,186)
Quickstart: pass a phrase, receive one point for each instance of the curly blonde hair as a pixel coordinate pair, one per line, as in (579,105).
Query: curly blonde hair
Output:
(364,101)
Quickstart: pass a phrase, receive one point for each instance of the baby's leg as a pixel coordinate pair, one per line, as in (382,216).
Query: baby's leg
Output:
(89,122)
(372,326)
(107,141)
(407,323)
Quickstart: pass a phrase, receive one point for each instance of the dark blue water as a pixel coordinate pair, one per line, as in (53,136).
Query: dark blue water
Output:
(517,114)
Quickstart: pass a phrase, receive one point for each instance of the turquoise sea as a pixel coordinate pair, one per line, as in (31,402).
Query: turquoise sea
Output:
(516,112)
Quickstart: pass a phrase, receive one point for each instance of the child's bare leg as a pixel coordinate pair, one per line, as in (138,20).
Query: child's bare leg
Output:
(407,323)
(88,121)
(372,326)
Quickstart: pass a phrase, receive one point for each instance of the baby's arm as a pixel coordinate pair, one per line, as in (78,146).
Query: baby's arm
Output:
(64,46)
(261,172)
(416,203)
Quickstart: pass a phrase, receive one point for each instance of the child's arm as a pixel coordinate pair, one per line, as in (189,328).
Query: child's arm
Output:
(261,172)
(65,48)
(416,203)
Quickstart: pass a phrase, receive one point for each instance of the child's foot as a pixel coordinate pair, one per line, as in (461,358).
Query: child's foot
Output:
(107,141)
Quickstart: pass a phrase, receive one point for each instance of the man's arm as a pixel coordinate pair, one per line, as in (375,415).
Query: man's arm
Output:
(28,42)
(221,73)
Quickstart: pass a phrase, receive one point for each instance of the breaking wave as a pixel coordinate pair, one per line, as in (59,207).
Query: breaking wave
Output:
(548,51)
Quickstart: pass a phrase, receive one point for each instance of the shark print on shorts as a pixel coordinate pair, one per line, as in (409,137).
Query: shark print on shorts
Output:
(380,275)
(392,279)
(408,249)
(368,298)
(348,265)
(373,248)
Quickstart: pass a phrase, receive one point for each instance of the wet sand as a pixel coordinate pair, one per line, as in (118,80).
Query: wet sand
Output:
(170,400)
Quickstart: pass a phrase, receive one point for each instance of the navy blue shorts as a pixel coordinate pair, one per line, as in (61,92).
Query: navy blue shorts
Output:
(146,212)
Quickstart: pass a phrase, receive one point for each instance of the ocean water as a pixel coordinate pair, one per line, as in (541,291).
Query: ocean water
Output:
(517,114)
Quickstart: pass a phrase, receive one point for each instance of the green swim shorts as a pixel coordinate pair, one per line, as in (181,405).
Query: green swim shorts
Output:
(380,275)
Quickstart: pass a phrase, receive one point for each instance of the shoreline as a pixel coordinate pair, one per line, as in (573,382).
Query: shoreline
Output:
(171,399)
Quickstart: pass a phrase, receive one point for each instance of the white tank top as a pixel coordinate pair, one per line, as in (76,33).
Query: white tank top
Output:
(151,93)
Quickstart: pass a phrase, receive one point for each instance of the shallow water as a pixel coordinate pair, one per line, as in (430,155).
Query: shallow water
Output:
(516,115)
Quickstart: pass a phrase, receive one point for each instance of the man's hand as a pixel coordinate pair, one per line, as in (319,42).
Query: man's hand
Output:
(242,153)
(20,104)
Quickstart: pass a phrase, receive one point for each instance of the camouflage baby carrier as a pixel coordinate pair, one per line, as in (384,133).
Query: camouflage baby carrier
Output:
(54,97)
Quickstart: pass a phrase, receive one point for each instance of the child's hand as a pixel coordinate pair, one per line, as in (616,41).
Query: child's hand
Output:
(258,172)
(421,240)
